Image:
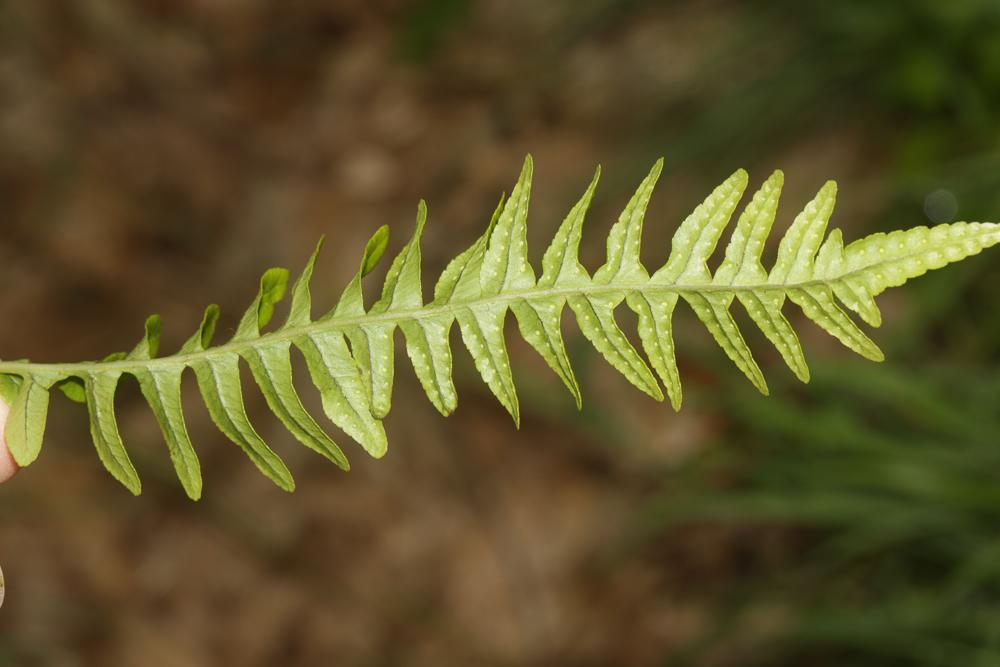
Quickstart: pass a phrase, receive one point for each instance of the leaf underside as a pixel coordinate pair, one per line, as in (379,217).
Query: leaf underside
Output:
(349,352)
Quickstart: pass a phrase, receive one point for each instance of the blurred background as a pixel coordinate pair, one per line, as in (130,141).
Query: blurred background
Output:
(157,156)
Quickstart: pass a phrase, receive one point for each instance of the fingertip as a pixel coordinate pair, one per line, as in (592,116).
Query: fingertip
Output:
(7,465)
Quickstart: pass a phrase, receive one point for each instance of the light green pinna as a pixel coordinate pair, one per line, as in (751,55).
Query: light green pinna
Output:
(349,351)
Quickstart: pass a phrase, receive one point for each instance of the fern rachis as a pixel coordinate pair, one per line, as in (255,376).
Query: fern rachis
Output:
(349,351)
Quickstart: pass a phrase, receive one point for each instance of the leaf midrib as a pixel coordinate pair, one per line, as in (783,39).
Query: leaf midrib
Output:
(426,311)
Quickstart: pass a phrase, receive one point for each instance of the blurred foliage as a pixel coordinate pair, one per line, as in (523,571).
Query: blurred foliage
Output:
(427,24)
(889,477)
(921,78)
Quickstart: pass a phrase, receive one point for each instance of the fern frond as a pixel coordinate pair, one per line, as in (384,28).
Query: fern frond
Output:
(349,351)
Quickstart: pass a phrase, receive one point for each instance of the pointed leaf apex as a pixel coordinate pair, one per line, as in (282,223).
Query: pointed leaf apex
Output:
(421,217)
(374,250)
(154,328)
(208,322)
(528,169)
(273,285)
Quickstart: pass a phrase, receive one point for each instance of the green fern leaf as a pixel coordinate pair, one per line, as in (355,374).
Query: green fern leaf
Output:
(349,351)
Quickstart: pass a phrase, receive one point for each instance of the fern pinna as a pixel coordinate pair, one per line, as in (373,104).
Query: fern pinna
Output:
(349,351)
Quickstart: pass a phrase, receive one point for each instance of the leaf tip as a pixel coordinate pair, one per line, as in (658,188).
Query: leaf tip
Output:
(274,282)
(73,388)
(311,264)
(154,329)
(208,322)
(273,285)
(374,249)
